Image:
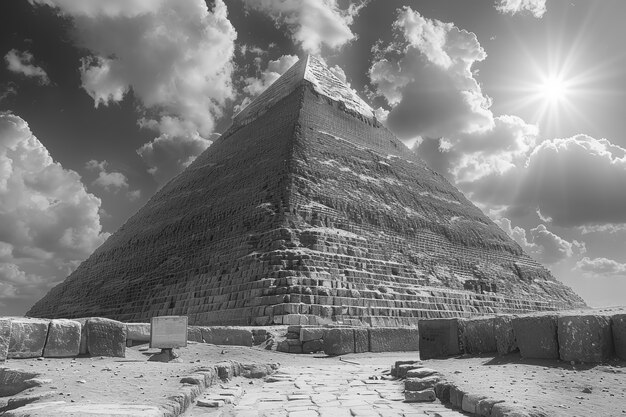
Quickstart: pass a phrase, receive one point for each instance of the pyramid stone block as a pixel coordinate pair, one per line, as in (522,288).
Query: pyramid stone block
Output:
(63,339)
(307,211)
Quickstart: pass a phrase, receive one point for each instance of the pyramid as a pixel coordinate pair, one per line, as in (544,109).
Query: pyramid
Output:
(307,211)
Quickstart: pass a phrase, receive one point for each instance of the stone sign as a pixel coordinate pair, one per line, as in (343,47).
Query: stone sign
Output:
(167,332)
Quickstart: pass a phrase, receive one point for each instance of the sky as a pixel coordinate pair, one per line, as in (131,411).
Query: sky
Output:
(519,103)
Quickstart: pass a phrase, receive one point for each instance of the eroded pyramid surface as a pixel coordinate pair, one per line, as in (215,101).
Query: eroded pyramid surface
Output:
(307,211)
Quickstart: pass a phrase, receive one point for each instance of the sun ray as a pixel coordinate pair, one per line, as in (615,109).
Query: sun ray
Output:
(559,82)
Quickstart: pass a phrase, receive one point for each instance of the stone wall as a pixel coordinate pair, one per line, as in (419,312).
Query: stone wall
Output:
(594,336)
(22,337)
(342,340)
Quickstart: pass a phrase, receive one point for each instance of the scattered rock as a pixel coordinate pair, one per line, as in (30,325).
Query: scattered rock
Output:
(427,395)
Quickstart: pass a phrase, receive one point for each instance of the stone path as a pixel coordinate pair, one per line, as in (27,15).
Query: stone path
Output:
(334,390)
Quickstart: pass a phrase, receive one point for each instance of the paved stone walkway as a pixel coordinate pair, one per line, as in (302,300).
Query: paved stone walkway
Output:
(334,390)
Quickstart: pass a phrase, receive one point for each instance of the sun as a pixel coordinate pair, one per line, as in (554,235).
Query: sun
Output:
(553,89)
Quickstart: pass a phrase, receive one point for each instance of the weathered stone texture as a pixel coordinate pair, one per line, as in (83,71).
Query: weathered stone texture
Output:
(63,339)
(618,326)
(307,211)
(393,339)
(479,335)
(585,338)
(139,332)
(227,336)
(537,336)
(105,337)
(427,395)
(505,336)
(439,338)
(28,337)
(5,338)
(339,341)
(361,340)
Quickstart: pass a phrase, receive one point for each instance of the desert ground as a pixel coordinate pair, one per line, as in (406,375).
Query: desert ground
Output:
(543,387)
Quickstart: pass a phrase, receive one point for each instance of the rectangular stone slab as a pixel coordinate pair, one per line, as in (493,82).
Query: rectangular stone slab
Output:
(479,335)
(63,339)
(167,332)
(585,338)
(618,325)
(28,338)
(537,336)
(339,341)
(227,336)
(389,339)
(438,338)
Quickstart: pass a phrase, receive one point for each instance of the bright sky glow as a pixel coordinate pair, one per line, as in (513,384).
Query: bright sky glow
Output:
(554,89)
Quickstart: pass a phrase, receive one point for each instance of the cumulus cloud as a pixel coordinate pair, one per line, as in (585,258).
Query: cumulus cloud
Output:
(253,86)
(601,266)
(169,154)
(426,77)
(535,7)
(176,57)
(551,181)
(541,243)
(22,63)
(111,181)
(48,221)
(275,68)
(311,23)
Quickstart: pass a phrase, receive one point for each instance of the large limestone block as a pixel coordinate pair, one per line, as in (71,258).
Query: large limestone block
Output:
(479,335)
(619,335)
(310,333)
(505,336)
(139,332)
(438,338)
(361,340)
(5,338)
(339,341)
(82,350)
(585,338)
(227,336)
(194,334)
(28,337)
(537,336)
(389,339)
(106,337)
(63,339)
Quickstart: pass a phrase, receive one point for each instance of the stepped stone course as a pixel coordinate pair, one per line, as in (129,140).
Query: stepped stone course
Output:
(307,211)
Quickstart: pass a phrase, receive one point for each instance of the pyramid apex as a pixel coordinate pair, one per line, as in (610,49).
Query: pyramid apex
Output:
(314,70)
(325,82)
